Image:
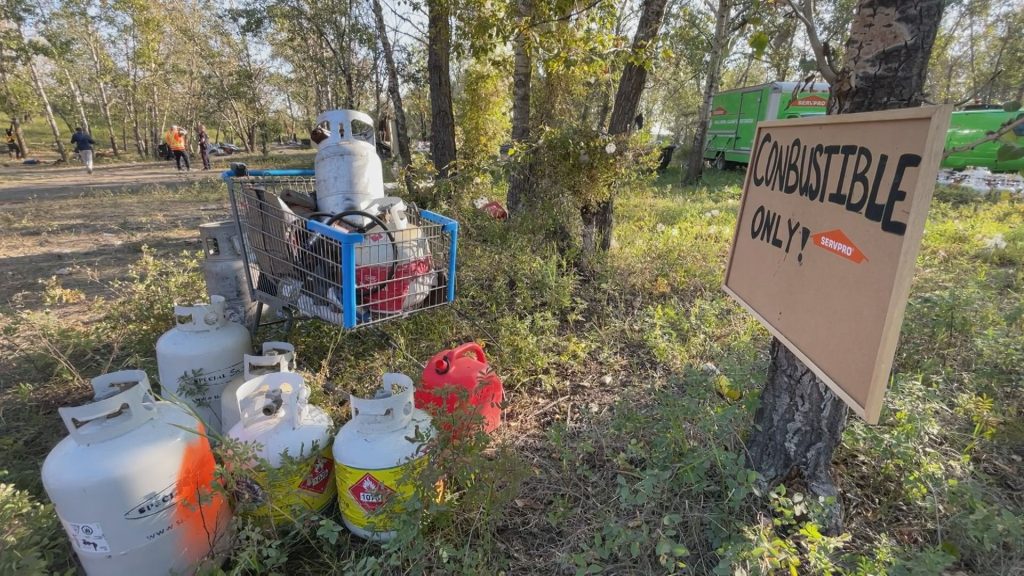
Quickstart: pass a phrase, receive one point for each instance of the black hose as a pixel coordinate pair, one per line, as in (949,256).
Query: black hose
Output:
(375,220)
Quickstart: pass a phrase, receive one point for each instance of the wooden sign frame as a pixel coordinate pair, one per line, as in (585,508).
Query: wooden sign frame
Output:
(893,297)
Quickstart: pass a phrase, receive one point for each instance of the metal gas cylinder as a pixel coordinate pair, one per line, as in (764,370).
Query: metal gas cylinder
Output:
(277,417)
(133,484)
(374,451)
(277,357)
(462,371)
(224,269)
(201,356)
(348,171)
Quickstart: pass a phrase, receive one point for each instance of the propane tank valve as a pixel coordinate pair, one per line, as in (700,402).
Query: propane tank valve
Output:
(274,404)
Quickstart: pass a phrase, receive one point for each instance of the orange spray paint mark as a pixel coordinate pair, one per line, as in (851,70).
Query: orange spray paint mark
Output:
(198,513)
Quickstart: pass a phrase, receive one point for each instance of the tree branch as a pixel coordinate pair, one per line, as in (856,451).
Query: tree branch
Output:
(804,11)
(568,16)
(978,90)
(992,136)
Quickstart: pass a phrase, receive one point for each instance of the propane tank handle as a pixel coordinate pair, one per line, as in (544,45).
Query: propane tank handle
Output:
(276,348)
(253,364)
(124,411)
(289,384)
(201,317)
(462,350)
(385,414)
(336,119)
(107,385)
(395,208)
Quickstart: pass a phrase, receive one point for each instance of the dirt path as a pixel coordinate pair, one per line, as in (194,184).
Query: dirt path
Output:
(22,183)
(65,233)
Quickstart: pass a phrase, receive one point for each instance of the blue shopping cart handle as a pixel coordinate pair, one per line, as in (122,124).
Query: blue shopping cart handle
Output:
(229,174)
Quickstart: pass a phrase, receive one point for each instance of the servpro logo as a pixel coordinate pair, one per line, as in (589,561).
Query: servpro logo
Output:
(836,242)
(812,100)
(153,505)
(719,111)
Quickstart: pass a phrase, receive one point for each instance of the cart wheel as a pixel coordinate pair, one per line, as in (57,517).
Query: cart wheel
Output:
(720,162)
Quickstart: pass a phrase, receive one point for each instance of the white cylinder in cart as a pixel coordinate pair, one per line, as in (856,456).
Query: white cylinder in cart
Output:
(277,357)
(132,484)
(201,356)
(374,452)
(348,171)
(224,269)
(276,416)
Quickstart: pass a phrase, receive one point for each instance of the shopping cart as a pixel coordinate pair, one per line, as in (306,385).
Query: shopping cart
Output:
(304,264)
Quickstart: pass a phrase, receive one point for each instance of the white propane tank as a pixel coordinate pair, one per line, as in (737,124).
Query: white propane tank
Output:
(348,171)
(277,417)
(132,484)
(277,357)
(200,356)
(372,453)
(224,269)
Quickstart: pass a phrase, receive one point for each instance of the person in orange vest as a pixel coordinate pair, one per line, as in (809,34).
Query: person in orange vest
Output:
(175,139)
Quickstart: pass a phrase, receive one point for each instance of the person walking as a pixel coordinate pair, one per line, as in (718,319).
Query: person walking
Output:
(204,146)
(83,145)
(175,139)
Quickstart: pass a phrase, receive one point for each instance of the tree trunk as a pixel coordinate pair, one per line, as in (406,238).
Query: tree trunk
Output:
(77,94)
(404,154)
(887,56)
(104,97)
(800,422)
(627,101)
(520,185)
(719,44)
(797,427)
(49,112)
(19,136)
(13,111)
(442,121)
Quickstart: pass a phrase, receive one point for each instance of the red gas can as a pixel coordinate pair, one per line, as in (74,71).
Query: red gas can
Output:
(463,368)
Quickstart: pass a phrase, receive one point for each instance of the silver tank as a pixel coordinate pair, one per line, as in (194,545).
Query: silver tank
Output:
(349,174)
(224,270)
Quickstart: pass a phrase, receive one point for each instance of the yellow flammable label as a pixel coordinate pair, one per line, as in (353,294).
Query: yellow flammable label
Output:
(308,485)
(363,494)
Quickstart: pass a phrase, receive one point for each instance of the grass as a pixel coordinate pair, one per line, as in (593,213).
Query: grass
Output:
(618,455)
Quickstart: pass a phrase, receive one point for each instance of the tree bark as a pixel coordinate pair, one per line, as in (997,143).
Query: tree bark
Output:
(442,120)
(19,136)
(77,94)
(800,421)
(404,154)
(719,44)
(49,112)
(104,97)
(627,101)
(13,111)
(520,184)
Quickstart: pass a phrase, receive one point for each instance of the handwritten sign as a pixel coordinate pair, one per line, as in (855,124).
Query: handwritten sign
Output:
(828,232)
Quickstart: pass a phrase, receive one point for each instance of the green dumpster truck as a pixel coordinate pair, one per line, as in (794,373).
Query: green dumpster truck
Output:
(735,114)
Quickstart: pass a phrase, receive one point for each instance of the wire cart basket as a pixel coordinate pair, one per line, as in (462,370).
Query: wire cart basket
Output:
(308,268)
